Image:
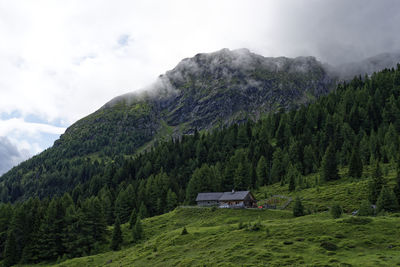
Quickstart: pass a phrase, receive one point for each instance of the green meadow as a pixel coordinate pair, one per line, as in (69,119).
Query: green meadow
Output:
(260,237)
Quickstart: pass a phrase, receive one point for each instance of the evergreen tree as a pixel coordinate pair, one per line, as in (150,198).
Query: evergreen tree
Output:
(355,166)
(278,167)
(298,209)
(10,251)
(107,203)
(124,203)
(329,164)
(137,232)
(396,189)
(336,211)
(172,200)
(292,184)
(261,172)
(376,183)
(184,231)
(116,240)
(51,232)
(365,209)
(387,200)
(292,177)
(73,233)
(132,219)
(308,160)
(142,211)
(240,177)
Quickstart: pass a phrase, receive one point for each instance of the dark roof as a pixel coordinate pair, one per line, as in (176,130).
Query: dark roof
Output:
(209,196)
(236,195)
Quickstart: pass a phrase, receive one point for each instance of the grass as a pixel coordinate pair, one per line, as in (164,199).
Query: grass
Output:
(318,196)
(226,237)
(215,239)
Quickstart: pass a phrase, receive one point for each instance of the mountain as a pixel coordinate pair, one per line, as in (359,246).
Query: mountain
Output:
(203,92)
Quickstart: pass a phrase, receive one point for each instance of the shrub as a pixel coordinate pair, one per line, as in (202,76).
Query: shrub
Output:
(256,226)
(365,209)
(184,231)
(357,220)
(336,211)
(298,209)
(329,246)
(241,225)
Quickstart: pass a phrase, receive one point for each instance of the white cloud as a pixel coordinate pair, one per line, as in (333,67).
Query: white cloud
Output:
(30,128)
(29,138)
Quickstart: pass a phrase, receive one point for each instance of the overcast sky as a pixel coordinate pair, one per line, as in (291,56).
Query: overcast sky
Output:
(62,60)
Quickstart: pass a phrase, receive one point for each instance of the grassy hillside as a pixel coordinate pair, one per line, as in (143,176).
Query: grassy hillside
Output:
(215,239)
(224,237)
(320,196)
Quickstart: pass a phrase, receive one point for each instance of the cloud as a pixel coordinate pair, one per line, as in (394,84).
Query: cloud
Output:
(10,155)
(31,137)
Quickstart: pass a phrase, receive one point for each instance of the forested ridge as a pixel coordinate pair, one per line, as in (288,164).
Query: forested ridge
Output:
(358,124)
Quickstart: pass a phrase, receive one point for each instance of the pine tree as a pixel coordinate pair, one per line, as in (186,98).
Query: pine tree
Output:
(184,231)
(10,251)
(240,176)
(298,209)
(365,209)
(51,232)
(292,184)
(376,183)
(355,166)
(124,204)
(308,160)
(261,172)
(387,200)
(142,211)
(107,203)
(396,189)
(72,230)
(132,219)
(336,211)
(291,177)
(137,231)
(116,240)
(278,168)
(172,200)
(329,164)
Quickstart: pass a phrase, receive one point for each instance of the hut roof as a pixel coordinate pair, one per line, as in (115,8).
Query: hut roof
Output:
(220,196)
(235,195)
(209,196)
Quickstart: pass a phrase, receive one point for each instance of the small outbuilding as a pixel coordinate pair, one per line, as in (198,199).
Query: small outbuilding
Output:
(234,199)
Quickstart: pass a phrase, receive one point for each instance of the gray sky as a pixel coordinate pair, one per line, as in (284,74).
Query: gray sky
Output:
(62,60)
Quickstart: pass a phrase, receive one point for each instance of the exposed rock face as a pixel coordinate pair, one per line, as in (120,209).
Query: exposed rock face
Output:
(206,91)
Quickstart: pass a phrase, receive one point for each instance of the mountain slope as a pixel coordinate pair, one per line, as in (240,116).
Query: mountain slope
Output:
(202,92)
(215,238)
